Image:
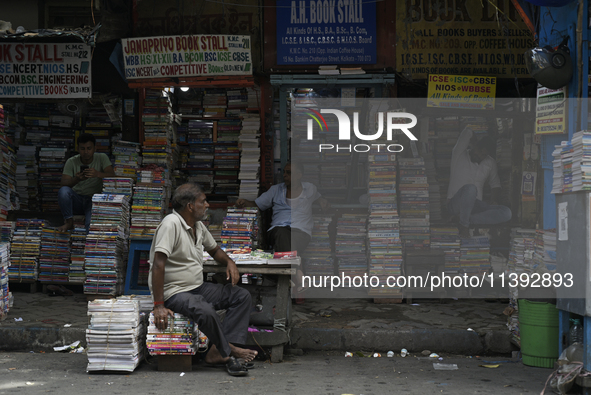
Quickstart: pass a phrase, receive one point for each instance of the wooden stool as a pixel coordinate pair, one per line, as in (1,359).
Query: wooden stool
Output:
(175,363)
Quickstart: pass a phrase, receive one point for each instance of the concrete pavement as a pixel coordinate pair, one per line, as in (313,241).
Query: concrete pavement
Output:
(318,324)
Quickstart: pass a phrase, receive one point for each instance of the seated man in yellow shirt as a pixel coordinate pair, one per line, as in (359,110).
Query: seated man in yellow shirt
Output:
(82,177)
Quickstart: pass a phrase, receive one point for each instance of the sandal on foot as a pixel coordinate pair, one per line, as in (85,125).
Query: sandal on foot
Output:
(247,365)
(235,368)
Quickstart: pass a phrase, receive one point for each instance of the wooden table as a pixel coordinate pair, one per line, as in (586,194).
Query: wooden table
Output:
(278,338)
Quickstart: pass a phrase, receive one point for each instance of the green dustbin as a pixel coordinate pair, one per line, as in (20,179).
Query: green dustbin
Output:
(538,328)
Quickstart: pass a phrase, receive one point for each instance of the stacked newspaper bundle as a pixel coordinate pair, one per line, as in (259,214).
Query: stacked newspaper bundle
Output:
(115,335)
(107,244)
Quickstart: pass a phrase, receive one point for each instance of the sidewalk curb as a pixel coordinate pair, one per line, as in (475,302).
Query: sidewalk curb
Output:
(39,338)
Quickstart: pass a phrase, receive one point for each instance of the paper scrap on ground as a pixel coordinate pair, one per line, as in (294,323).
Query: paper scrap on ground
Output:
(70,347)
(445,366)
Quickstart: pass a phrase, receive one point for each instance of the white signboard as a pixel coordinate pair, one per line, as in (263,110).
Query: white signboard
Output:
(45,70)
(186,56)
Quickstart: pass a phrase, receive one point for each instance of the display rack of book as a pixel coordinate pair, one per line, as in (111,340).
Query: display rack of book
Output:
(77,275)
(414,203)
(5,294)
(24,250)
(54,256)
(240,230)
(383,232)
(107,245)
(115,335)
(318,258)
(27,182)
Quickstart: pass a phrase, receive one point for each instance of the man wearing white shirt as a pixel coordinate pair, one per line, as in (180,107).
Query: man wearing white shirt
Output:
(470,169)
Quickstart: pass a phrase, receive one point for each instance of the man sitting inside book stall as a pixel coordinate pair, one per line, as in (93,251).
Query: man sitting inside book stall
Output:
(291,201)
(82,177)
(177,286)
(471,167)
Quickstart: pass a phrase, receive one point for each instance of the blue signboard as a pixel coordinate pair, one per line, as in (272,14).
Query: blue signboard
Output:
(326,32)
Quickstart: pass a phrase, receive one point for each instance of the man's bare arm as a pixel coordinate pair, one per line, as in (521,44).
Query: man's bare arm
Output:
(161,313)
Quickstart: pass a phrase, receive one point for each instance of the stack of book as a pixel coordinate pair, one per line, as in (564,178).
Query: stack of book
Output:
(383,231)
(237,102)
(179,338)
(107,245)
(253,100)
(447,131)
(475,255)
(51,165)
(8,196)
(159,130)
(414,203)
(250,156)
(216,232)
(150,201)
(566,157)
(24,250)
(115,335)
(198,157)
(318,257)
(78,243)
(240,230)
(118,185)
(4,289)
(6,231)
(226,161)
(191,105)
(27,183)
(127,158)
(435,202)
(557,177)
(549,244)
(350,244)
(54,257)
(447,239)
(581,165)
(522,250)
(214,103)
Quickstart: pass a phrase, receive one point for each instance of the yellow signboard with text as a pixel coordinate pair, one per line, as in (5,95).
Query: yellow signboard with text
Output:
(460,91)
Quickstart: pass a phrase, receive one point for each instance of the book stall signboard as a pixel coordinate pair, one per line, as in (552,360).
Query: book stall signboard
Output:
(461,37)
(326,32)
(186,56)
(459,91)
(45,70)
(550,110)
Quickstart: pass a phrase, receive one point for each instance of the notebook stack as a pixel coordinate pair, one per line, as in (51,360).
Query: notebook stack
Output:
(383,232)
(24,250)
(522,250)
(150,201)
(54,257)
(240,230)
(51,165)
(350,244)
(414,203)
(77,244)
(447,239)
(475,255)
(115,335)
(250,156)
(8,196)
(107,245)
(127,158)
(27,183)
(179,338)
(237,102)
(5,294)
(215,103)
(318,257)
